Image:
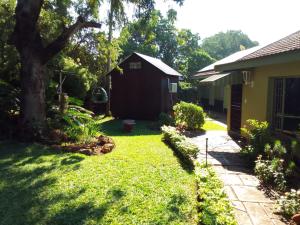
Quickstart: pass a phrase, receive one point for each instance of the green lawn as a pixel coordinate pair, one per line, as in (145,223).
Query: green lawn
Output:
(210,125)
(140,182)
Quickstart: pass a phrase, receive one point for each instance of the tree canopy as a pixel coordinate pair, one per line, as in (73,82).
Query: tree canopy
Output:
(223,44)
(158,36)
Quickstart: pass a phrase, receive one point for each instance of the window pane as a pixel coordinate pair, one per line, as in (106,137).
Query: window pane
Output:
(292,97)
(291,124)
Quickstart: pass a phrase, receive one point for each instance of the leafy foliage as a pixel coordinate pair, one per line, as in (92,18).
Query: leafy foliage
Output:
(259,135)
(188,92)
(272,169)
(187,150)
(289,203)
(223,44)
(214,205)
(189,116)
(157,36)
(166,119)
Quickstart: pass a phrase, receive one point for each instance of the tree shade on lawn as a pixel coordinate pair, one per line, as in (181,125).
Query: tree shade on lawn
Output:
(140,182)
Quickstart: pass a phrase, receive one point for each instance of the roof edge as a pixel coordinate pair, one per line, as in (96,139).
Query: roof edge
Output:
(284,57)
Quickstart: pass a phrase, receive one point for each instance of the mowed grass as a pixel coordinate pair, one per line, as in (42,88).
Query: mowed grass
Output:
(210,125)
(140,182)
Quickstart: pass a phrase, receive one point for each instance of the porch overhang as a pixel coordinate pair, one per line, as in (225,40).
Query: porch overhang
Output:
(214,78)
(223,79)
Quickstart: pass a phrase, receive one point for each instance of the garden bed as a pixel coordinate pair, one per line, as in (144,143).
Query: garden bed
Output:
(103,145)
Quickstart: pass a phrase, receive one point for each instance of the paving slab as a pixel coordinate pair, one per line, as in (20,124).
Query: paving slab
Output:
(250,194)
(249,180)
(251,206)
(240,213)
(257,214)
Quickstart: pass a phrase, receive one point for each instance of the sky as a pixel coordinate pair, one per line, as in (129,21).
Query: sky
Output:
(262,20)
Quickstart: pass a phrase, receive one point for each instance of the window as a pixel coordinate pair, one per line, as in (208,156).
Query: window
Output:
(135,65)
(286,107)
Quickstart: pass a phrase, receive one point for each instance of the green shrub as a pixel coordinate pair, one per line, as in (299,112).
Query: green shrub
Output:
(272,168)
(188,92)
(189,116)
(77,123)
(179,143)
(166,119)
(289,204)
(259,135)
(271,172)
(214,206)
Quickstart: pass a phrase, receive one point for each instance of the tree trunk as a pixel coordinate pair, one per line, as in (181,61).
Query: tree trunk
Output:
(34,55)
(108,66)
(33,116)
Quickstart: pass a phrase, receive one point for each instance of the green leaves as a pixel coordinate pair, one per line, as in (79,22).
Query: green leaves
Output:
(214,205)
(223,44)
(189,116)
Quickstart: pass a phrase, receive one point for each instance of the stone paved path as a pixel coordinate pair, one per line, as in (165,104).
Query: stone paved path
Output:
(251,206)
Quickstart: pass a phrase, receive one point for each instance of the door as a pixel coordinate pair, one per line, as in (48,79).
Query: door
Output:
(236,107)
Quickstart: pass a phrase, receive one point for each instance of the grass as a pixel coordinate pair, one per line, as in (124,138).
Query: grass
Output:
(140,182)
(210,125)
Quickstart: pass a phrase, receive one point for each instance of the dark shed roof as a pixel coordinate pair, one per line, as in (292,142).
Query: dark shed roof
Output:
(155,62)
(159,64)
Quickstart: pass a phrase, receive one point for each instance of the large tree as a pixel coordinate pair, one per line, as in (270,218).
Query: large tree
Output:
(158,36)
(223,44)
(34,55)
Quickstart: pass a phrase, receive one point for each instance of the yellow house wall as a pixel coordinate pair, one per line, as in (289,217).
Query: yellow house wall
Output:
(255,99)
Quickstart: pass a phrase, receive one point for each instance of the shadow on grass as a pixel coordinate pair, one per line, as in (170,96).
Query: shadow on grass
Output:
(185,163)
(174,208)
(115,128)
(30,191)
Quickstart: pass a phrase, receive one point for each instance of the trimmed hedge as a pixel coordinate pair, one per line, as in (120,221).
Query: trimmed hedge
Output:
(181,144)
(214,206)
(189,116)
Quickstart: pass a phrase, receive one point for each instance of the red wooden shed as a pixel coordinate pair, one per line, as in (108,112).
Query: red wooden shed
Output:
(143,88)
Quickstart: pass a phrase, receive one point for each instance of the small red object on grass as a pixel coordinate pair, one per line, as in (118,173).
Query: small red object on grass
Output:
(128,125)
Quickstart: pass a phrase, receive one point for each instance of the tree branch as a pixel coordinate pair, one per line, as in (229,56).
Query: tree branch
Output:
(60,42)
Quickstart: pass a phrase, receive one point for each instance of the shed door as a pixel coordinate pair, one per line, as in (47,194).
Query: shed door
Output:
(236,107)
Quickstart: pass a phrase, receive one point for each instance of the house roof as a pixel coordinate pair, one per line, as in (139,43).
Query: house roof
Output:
(159,64)
(284,50)
(286,44)
(210,69)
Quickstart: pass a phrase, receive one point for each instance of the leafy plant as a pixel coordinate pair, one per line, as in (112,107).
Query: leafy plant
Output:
(259,135)
(271,167)
(289,203)
(166,119)
(214,205)
(189,116)
(180,143)
(77,122)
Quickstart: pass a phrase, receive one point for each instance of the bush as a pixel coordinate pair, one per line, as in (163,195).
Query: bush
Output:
(214,206)
(77,123)
(179,143)
(259,135)
(166,119)
(271,172)
(187,92)
(271,167)
(289,204)
(189,116)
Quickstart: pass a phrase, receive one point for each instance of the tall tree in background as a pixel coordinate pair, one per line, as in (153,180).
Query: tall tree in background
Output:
(158,36)
(34,54)
(117,16)
(223,44)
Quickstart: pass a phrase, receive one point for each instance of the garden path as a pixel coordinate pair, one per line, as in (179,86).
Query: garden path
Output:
(251,205)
